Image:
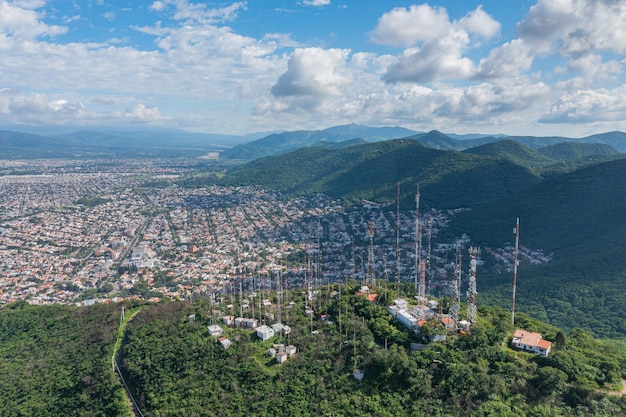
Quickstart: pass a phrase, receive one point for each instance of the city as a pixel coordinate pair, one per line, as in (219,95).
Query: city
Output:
(94,231)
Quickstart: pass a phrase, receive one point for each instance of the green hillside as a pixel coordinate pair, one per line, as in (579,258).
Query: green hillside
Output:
(515,152)
(56,361)
(579,218)
(371,171)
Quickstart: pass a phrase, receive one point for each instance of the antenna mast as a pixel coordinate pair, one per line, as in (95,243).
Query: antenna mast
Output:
(398,240)
(371,278)
(515,264)
(417,235)
(471,291)
(456,288)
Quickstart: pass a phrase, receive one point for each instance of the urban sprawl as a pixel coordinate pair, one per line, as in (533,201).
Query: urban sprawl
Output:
(98,231)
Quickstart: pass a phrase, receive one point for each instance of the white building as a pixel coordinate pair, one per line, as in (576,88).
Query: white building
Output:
(531,342)
(264,332)
(215,330)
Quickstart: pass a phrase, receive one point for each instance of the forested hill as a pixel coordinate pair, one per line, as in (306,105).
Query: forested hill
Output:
(57,361)
(448,179)
(578,218)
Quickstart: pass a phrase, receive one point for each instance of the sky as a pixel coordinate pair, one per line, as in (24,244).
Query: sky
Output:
(541,67)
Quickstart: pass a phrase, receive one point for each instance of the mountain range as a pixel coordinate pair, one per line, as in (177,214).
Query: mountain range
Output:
(56,142)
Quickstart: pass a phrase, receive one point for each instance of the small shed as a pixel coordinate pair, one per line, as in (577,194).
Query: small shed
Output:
(264,332)
(281,357)
(215,330)
(225,343)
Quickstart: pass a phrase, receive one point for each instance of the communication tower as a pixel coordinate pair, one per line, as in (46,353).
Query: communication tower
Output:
(515,264)
(456,288)
(370,279)
(471,291)
(398,240)
(417,237)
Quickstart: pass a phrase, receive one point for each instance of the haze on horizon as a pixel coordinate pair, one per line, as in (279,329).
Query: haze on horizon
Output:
(544,67)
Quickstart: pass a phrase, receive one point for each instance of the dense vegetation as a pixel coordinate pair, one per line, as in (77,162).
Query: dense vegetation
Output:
(56,361)
(578,218)
(177,369)
(371,171)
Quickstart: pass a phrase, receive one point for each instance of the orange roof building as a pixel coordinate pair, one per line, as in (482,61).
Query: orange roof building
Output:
(531,342)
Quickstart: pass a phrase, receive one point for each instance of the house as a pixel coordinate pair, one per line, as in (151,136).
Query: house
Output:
(531,342)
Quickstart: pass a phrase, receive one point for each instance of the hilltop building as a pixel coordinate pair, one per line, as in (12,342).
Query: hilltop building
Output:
(531,342)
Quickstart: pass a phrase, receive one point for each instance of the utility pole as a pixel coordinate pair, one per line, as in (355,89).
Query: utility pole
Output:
(515,263)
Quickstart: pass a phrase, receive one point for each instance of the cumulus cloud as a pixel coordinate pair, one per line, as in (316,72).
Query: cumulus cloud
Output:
(508,60)
(406,27)
(313,72)
(436,45)
(22,21)
(487,100)
(588,106)
(575,27)
(481,23)
(441,59)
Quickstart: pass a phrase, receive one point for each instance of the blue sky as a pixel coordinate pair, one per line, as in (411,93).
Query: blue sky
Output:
(540,67)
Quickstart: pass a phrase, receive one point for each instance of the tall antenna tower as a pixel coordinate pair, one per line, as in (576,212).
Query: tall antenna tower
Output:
(279,296)
(515,264)
(421,289)
(471,291)
(417,235)
(428,253)
(370,278)
(456,288)
(398,240)
(318,266)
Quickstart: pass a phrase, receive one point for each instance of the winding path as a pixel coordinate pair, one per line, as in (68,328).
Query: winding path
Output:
(134,407)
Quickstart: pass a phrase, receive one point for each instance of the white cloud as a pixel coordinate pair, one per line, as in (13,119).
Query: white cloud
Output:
(19,20)
(588,106)
(480,23)
(194,13)
(508,60)
(575,27)
(407,27)
(436,60)
(486,100)
(440,44)
(141,113)
(313,72)
(316,3)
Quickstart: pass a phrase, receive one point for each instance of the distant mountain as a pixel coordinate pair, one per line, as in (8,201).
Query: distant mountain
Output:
(616,140)
(169,138)
(469,136)
(113,144)
(437,140)
(515,152)
(26,145)
(280,143)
